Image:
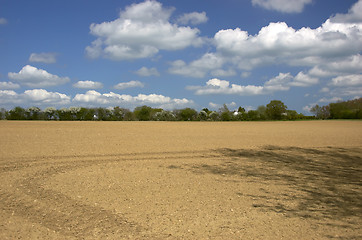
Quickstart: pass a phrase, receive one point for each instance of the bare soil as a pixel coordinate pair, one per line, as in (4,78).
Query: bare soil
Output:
(181,180)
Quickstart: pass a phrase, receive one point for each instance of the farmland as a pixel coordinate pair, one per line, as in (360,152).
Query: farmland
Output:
(180,180)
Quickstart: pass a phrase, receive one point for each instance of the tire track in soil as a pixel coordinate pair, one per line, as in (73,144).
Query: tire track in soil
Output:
(67,216)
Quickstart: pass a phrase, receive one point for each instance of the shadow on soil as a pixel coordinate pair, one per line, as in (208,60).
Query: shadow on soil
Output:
(324,183)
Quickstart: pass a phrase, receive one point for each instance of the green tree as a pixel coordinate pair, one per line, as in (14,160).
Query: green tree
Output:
(320,112)
(143,113)
(103,114)
(50,113)
(33,113)
(203,116)
(252,115)
(164,116)
(64,114)
(225,114)
(213,116)
(186,114)
(276,109)
(346,110)
(241,110)
(118,113)
(292,115)
(262,112)
(3,113)
(17,113)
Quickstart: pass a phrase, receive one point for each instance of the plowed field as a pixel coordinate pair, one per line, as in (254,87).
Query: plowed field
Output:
(181,180)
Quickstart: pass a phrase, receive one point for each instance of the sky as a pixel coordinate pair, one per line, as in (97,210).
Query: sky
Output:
(175,54)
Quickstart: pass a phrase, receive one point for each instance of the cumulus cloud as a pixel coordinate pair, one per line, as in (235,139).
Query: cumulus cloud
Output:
(193,18)
(281,43)
(217,106)
(130,84)
(282,82)
(147,72)
(344,86)
(329,100)
(38,97)
(286,6)
(348,80)
(354,15)
(114,99)
(330,50)
(198,68)
(3,21)
(33,77)
(42,96)
(88,85)
(141,31)
(217,86)
(278,83)
(223,73)
(304,80)
(9,85)
(43,57)
(340,66)
(245,74)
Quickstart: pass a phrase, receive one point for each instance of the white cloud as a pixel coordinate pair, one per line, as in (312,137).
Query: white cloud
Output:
(141,31)
(245,74)
(91,96)
(9,97)
(42,96)
(217,106)
(344,86)
(3,21)
(217,83)
(88,85)
(198,68)
(9,85)
(308,107)
(34,77)
(193,18)
(340,66)
(286,6)
(329,100)
(278,42)
(354,15)
(214,105)
(146,72)
(324,90)
(130,84)
(43,57)
(282,82)
(348,80)
(223,73)
(114,99)
(216,86)
(304,80)
(279,83)
(37,97)
(329,50)
(347,91)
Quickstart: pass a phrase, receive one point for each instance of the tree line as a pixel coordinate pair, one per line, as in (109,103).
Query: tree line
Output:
(351,109)
(275,110)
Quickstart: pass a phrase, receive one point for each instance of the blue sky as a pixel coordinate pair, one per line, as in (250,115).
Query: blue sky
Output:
(175,54)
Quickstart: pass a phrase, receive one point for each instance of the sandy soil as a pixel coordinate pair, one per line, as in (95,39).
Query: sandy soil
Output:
(181,180)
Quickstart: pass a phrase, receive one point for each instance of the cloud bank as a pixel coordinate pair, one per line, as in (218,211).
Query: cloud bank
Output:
(88,85)
(141,31)
(286,6)
(33,77)
(130,84)
(282,82)
(43,57)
